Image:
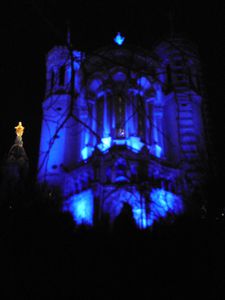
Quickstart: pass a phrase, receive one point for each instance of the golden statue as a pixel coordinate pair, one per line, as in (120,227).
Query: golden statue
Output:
(19,129)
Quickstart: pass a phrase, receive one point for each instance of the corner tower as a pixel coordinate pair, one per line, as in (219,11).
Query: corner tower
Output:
(59,128)
(183,109)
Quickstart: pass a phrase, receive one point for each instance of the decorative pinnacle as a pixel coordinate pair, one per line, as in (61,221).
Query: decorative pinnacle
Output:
(119,39)
(19,129)
(68,36)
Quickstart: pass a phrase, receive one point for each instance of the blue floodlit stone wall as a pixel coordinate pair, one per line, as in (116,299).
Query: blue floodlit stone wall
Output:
(151,109)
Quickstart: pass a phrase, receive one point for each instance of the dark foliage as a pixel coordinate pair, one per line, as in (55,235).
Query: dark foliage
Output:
(44,254)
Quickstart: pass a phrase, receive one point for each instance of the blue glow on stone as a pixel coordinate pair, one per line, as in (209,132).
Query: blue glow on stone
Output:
(107,141)
(52,145)
(114,204)
(119,39)
(86,152)
(121,179)
(119,76)
(119,142)
(106,144)
(81,207)
(77,59)
(143,82)
(161,128)
(140,216)
(156,150)
(95,85)
(164,202)
(135,143)
(161,204)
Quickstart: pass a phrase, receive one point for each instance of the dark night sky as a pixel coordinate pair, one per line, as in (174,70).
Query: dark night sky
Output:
(30,28)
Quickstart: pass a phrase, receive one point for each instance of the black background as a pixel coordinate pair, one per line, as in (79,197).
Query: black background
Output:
(41,254)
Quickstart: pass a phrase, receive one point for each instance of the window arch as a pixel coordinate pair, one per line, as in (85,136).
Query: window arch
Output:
(62,75)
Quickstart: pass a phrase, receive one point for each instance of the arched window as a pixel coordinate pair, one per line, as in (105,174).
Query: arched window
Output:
(52,80)
(189,73)
(120,116)
(149,123)
(61,75)
(141,117)
(100,115)
(168,75)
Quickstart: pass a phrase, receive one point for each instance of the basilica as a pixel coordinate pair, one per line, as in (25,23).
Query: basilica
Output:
(124,125)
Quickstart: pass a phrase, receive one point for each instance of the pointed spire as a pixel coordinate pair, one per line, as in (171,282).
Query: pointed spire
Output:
(68,34)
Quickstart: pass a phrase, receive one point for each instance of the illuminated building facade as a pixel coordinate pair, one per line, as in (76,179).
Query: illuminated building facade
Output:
(123,125)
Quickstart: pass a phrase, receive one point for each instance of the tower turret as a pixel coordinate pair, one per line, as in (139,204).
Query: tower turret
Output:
(181,77)
(57,140)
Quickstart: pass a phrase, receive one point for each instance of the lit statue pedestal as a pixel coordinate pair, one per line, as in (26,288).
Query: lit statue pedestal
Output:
(15,169)
(17,156)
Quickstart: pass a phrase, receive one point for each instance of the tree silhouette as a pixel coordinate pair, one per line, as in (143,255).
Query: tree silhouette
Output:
(125,221)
